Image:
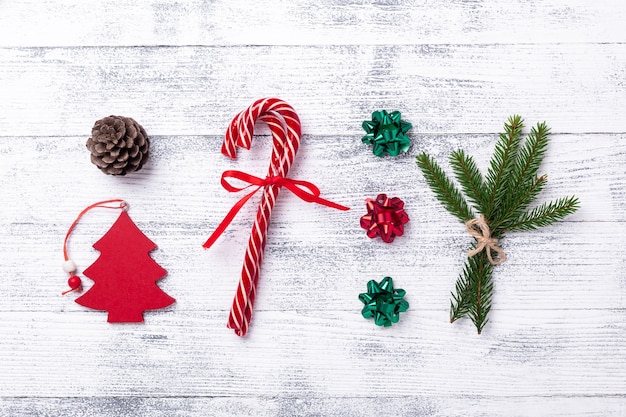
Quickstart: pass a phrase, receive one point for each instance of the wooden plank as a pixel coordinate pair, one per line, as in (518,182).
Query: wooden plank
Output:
(413,406)
(187,170)
(197,90)
(266,22)
(322,353)
(560,268)
(575,264)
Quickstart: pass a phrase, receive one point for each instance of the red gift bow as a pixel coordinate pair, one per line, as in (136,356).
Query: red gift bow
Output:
(305,190)
(385,218)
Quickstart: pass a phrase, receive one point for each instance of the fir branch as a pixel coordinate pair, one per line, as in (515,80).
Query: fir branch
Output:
(467,174)
(546,214)
(474,291)
(481,290)
(530,155)
(503,197)
(517,203)
(445,191)
(459,304)
(501,163)
(524,186)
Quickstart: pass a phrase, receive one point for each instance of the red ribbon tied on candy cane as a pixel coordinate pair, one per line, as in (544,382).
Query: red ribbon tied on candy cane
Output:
(305,190)
(284,125)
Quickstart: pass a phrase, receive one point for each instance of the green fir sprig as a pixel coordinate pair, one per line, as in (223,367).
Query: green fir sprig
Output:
(502,197)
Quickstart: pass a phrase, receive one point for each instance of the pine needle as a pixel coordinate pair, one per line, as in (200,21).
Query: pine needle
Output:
(481,290)
(515,204)
(530,155)
(502,161)
(546,214)
(444,189)
(470,178)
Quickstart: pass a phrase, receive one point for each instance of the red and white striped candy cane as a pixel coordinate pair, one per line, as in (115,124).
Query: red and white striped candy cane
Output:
(274,112)
(285,127)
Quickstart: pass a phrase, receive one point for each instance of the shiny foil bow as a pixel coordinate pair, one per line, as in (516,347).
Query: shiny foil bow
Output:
(385,218)
(383,302)
(387,133)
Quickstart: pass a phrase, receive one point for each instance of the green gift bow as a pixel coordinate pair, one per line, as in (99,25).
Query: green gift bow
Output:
(387,132)
(383,302)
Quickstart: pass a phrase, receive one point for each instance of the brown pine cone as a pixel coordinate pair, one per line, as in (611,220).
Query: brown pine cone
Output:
(118,145)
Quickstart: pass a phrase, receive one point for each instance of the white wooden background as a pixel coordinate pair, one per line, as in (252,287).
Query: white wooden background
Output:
(556,342)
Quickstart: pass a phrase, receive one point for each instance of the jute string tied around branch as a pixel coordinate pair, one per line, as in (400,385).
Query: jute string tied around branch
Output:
(479,229)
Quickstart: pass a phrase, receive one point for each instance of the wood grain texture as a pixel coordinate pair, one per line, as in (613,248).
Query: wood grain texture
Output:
(286,22)
(413,406)
(310,354)
(196,90)
(556,341)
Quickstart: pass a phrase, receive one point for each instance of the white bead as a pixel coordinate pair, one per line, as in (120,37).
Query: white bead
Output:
(69,266)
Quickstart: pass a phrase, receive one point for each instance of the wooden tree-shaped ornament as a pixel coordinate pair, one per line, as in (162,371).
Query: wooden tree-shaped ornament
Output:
(125,275)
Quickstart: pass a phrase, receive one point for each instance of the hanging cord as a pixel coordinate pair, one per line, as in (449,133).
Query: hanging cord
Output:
(69,266)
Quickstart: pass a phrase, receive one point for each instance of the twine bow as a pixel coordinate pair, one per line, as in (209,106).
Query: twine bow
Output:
(484,241)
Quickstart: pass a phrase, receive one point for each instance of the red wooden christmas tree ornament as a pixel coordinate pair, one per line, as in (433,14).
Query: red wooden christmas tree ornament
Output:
(125,275)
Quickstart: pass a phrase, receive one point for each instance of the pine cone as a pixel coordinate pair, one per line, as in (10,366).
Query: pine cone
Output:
(118,145)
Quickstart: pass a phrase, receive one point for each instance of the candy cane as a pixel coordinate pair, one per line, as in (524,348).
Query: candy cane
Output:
(284,125)
(286,143)
(241,311)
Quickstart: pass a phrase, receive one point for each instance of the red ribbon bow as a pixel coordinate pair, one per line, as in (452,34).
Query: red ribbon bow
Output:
(303,189)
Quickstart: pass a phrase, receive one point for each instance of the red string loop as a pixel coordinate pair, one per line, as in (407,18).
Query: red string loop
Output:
(74,280)
(101,204)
